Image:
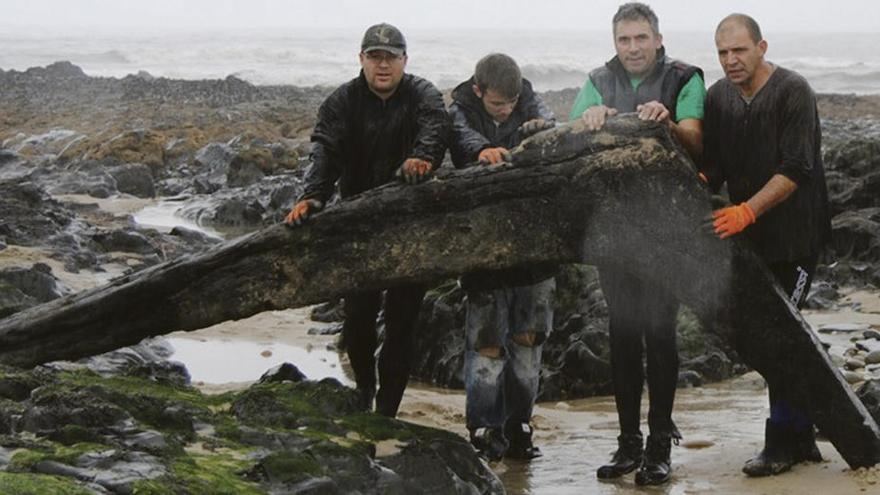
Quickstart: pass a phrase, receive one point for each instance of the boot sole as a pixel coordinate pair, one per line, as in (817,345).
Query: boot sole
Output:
(615,474)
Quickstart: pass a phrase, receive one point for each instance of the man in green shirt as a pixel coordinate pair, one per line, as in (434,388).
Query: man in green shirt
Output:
(642,315)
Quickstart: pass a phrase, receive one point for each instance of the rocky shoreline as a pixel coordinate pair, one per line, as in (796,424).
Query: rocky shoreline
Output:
(232,156)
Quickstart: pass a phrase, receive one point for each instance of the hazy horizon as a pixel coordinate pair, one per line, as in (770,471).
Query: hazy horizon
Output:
(442,15)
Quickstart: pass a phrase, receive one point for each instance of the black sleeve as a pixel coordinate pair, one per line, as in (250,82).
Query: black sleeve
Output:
(542,111)
(797,134)
(326,156)
(710,164)
(467,143)
(433,125)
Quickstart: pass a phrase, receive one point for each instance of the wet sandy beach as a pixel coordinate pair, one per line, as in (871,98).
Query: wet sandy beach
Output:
(722,423)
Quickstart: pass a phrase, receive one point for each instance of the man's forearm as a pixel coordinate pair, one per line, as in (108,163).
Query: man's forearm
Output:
(775,191)
(689,133)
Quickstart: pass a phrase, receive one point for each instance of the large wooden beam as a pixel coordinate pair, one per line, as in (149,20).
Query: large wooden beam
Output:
(626,196)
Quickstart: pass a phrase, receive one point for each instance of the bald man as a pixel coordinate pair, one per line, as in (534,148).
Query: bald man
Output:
(762,137)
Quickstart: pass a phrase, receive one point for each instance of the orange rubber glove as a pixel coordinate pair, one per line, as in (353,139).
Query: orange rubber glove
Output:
(302,210)
(493,156)
(414,170)
(732,220)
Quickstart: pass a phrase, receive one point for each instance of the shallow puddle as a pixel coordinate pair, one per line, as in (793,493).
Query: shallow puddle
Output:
(223,361)
(165,215)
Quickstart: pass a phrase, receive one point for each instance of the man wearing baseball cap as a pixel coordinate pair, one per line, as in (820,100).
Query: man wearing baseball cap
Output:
(383,124)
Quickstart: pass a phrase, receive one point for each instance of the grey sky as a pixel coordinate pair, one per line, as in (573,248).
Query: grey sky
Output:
(784,15)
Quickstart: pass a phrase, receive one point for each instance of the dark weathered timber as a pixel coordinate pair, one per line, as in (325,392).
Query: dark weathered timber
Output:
(625,196)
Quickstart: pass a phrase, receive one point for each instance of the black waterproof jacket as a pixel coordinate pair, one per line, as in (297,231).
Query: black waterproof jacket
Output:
(474,130)
(361,140)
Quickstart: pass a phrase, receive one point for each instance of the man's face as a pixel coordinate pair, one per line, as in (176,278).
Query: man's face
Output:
(498,106)
(636,44)
(383,71)
(739,55)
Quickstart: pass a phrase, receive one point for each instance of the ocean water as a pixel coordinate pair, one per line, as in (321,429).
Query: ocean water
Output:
(832,62)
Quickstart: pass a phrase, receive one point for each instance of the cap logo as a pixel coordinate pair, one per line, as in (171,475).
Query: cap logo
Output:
(383,38)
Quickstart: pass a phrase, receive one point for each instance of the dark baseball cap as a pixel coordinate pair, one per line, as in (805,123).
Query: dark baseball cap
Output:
(384,37)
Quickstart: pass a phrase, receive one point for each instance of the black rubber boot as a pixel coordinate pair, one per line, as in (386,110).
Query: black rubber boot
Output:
(657,466)
(520,437)
(777,455)
(489,443)
(627,459)
(804,448)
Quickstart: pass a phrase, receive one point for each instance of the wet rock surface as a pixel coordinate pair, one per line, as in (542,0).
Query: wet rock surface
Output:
(118,433)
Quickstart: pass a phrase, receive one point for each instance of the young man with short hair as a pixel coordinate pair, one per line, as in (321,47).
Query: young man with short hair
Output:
(509,312)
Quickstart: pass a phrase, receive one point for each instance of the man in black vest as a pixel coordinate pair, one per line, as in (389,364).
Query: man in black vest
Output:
(642,79)
(381,124)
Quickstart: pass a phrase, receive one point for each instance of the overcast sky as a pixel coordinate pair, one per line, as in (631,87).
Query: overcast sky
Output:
(701,15)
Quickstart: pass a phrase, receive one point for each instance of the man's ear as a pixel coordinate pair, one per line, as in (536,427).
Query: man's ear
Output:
(477,91)
(762,47)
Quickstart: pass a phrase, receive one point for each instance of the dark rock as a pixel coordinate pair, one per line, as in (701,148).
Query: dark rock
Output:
(283,372)
(854,173)
(265,202)
(868,345)
(844,328)
(856,235)
(328,330)
(689,378)
(234,212)
(113,471)
(243,172)
(822,295)
(212,162)
(580,372)
(52,410)
(30,216)
(17,386)
(273,439)
(426,463)
(146,360)
(328,312)
(149,441)
(195,238)
(327,398)
(61,70)
(13,300)
(88,177)
(22,288)
(871,334)
(8,156)
(128,241)
(10,412)
(439,340)
(869,394)
(135,179)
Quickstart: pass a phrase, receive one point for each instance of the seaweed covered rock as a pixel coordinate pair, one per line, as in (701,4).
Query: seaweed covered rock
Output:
(75,431)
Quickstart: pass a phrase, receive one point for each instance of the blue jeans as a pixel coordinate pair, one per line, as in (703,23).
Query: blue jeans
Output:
(501,391)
